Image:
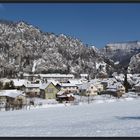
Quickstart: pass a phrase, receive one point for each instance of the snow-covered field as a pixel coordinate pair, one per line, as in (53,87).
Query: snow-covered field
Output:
(111,118)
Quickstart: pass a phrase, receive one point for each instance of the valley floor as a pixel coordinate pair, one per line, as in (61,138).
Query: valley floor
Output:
(119,118)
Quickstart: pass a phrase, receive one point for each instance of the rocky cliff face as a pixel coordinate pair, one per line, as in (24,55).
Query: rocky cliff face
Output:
(25,48)
(134,65)
(121,52)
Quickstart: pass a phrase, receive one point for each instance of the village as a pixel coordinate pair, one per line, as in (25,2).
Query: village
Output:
(38,89)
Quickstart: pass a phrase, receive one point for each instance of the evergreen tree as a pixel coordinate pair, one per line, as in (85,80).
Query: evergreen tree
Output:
(9,85)
(126,83)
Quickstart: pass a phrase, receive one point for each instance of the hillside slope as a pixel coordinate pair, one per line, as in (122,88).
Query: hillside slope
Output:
(25,48)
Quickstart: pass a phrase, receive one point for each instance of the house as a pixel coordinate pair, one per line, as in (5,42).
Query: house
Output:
(69,87)
(32,90)
(116,89)
(88,89)
(97,84)
(64,96)
(99,87)
(108,81)
(118,86)
(48,91)
(12,98)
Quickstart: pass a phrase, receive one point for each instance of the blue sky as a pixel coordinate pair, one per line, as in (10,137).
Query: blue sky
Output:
(94,23)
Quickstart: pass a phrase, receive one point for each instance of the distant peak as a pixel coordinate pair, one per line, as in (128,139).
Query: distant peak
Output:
(22,23)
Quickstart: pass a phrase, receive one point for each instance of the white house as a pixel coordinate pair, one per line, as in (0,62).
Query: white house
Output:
(69,87)
(88,89)
(97,84)
(108,81)
(9,96)
(32,89)
(116,87)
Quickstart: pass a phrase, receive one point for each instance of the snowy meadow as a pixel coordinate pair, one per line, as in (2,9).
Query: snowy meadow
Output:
(119,117)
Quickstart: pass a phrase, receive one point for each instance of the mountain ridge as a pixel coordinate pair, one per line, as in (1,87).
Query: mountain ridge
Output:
(23,46)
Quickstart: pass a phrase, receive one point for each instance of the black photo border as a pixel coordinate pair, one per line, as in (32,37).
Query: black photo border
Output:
(69,1)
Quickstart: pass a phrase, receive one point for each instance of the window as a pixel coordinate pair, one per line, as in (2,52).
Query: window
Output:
(50,90)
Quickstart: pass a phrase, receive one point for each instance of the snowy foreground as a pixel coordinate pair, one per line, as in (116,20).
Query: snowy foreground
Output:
(112,118)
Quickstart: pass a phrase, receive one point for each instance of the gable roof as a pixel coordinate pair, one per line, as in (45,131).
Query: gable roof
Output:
(53,81)
(45,85)
(114,86)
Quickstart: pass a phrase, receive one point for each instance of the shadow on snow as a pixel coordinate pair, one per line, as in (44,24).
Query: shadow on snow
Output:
(128,117)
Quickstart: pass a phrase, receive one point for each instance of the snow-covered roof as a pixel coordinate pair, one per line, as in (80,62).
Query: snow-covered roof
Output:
(32,85)
(61,92)
(53,81)
(115,86)
(75,81)
(57,75)
(19,82)
(84,75)
(44,85)
(112,89)
(11,93)
(110,81)
(83,80)
(27,75)
(94,81)
(68,85)
(85,86)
